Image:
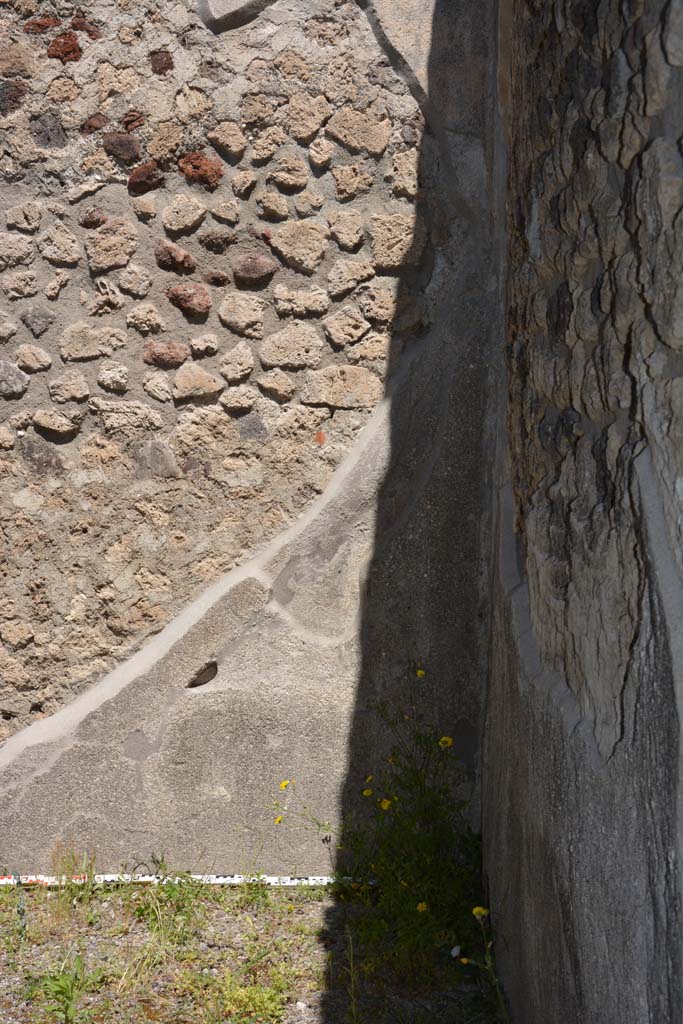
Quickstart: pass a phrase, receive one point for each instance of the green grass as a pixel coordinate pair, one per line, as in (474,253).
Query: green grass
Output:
(183,953)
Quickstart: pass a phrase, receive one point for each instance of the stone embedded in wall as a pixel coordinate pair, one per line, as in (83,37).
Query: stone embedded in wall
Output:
(342,387)
(14,250)
(301,245)
(32,359)
(345,275)
(111,245)
(81,342)
(13,381)
(183,215)
(345,327)
(359,132)
(351,180)
(228,139)
(397,240)
(193,382)
(294,347)
(313,301)
(193,299)
(237,364)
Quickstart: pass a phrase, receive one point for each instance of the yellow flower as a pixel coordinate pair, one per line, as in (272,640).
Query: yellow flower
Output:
(279,819)
(369,779)
(480,913)
(445,742)
(385,804)
(285,783)
(367,792)
(420,673)
(421,907)
(464,960)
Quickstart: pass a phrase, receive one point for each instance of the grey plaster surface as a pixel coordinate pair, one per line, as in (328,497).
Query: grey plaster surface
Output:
(221,15)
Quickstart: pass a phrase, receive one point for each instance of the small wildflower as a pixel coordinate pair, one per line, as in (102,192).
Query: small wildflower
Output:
(385,804)
(285,783)
(421,907)
(480,913)
(369,779)
(279,819)
(367,792)
(420,673)
(445,742)
(455,952)
(464,960)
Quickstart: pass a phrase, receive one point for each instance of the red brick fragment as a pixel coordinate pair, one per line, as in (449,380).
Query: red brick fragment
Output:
(65,47)
(80,23)
(201,169)
(37,26)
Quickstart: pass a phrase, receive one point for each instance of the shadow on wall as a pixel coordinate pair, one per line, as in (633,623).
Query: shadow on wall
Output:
(424,607)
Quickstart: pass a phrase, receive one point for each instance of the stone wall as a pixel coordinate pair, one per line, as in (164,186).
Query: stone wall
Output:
(581,823)
(198,286)
(338,471)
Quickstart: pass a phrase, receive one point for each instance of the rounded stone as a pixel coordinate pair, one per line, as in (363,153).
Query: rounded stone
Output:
(254,269)
(193,299)
(13,381)
(183,215)
(33,359)
(166,355)
(145,178)
(171,257)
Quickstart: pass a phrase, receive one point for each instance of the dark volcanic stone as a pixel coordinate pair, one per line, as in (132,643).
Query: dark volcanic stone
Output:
(47,130)
(36,26)
(217,240)
(167,355)
(145,178)
(13,381)
(201,169)
(217,278)
(192,299)
(65,48)
(254,270)
(161,61)
(11,95)
(37,320)
(172,257)
(121,146)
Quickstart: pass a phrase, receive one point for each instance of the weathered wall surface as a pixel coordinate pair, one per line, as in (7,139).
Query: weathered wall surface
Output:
(362,486)
(581,819)
(193,325)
